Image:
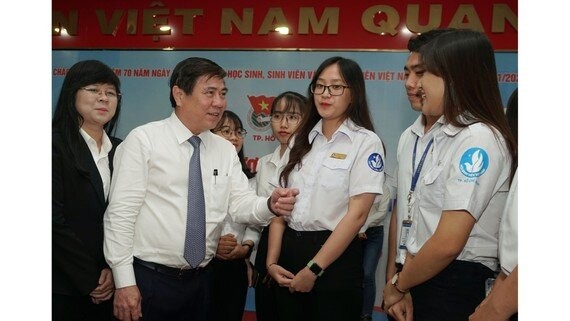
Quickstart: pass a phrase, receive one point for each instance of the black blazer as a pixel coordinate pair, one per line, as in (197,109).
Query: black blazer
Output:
(78,205)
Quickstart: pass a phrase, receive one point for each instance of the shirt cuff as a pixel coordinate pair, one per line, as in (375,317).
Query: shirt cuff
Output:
(262,211)
(124,276)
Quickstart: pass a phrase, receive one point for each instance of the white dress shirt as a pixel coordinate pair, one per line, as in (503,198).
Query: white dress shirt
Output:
(509,230)
(268,169)
(101,158)
(242,232)
(404,173)
(351,163)
(467,169)
(146,216)
(378,210)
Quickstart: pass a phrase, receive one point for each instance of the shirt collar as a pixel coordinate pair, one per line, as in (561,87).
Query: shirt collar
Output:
(452,130)
(348,128)
(418,127)
(275,158)
(182,133)
(106,146)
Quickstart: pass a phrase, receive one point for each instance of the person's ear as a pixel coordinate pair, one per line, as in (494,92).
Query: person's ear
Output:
(178,94)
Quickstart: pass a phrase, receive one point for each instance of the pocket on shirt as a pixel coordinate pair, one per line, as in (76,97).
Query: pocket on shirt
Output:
(219,188)
(432,192)
(433,174)
(334,173)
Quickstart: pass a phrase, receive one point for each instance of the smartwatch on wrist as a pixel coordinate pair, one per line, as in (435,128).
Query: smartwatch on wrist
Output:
(315,268)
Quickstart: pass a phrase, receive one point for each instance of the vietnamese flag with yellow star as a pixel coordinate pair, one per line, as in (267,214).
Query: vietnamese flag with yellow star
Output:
(261,104)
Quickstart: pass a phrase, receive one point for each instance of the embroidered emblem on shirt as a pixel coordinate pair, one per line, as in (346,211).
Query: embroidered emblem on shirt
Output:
(474,162)
(375,162)
(338,156)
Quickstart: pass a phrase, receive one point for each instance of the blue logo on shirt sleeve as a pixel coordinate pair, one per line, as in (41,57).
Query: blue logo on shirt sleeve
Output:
(375,162)
(474,162)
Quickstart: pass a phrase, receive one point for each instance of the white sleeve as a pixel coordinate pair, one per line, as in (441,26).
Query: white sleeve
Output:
(128,188)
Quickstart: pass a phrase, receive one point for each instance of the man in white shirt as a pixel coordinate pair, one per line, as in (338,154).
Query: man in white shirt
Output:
(413,71)
(145,222)
(423,129)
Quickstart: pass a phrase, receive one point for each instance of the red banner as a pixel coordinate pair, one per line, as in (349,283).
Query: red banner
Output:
(251,25)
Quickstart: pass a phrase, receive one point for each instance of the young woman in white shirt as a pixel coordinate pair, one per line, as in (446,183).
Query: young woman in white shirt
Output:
(460,187)
(337,163)
(287,110)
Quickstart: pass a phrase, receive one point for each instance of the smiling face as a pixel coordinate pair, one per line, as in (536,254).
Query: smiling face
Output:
(433,89)
(413,71)
(97,104)
(332,108)
(202,109)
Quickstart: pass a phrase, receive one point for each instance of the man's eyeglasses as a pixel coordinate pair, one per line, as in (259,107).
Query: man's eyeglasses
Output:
(227,133)
(334,90)
(111,94)
(291,118)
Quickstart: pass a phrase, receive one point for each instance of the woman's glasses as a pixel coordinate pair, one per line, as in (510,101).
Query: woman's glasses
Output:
(290,118)
(111,94)
(227,132)
(334,90)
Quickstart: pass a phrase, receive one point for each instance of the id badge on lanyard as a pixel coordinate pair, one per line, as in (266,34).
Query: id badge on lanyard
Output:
(407,224)
(404,232)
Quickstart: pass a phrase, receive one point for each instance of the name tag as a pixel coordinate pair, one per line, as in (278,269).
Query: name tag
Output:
(404,232)
(338,156)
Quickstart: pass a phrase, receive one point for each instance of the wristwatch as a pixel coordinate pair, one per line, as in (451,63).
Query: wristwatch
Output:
(315,268)
(395,283)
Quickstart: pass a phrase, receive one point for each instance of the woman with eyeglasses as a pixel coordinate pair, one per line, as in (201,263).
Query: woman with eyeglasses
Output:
(287,111)
(337,163)
(232,270)
(82,162)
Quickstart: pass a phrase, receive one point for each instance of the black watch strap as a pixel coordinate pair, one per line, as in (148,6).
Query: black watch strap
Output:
(315,268)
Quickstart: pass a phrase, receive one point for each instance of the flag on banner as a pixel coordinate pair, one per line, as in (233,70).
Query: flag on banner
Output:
(260,110)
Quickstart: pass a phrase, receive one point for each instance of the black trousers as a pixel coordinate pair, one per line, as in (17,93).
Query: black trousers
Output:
(80,308)
(173,297)
(453,294)
(229,290)
(265,301)
(337,294)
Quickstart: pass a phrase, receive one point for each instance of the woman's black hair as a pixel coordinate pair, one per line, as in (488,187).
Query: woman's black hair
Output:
(234,118)
(66,118)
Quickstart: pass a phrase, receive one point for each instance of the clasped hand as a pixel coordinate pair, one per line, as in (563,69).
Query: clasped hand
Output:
(283,200)
(301,282)
(229,249)
(397,304)
(104,291)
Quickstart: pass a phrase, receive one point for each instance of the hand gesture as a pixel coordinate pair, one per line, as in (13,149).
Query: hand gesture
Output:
(280,275)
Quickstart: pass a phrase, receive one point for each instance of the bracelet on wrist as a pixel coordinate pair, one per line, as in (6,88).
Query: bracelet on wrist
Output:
(402,292)
(395,283)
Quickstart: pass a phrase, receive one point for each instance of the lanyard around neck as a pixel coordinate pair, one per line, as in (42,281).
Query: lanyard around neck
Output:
(418,170)
(420,164)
